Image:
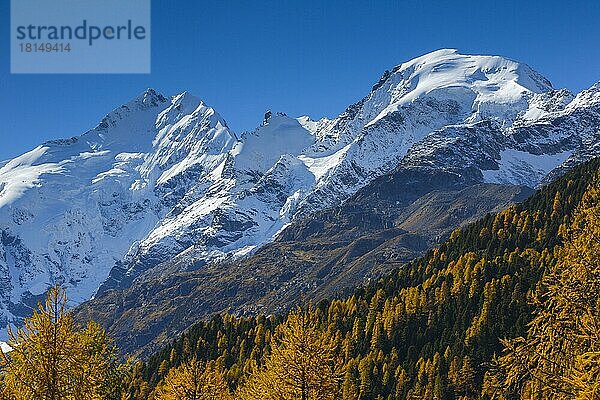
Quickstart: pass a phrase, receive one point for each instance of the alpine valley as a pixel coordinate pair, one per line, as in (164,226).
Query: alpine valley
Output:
(161,216)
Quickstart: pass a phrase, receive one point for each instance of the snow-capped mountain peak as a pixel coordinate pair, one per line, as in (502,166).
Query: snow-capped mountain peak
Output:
(494,86)
(70,209)
(161,177)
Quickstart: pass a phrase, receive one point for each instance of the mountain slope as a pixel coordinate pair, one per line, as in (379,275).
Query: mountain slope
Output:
(431,328)
(467,115)
(315,258)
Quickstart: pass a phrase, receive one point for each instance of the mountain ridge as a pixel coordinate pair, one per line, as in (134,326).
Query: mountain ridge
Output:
(165,178)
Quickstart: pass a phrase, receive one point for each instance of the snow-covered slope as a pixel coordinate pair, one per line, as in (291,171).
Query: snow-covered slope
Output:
(163,177)
(249,195)
(70,209)
(408,103)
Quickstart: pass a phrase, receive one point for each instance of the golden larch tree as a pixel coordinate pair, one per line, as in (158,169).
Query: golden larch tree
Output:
(560,357)
(53,359)
(194,380)
(303,364)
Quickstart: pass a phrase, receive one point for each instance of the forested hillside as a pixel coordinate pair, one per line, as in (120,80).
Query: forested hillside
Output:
(507,308)
(429,330)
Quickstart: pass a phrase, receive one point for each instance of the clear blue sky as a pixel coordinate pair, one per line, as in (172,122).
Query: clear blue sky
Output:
(299,57)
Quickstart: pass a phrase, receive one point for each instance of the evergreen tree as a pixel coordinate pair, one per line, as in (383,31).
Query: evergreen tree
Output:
(52,359)
(303,363)
(194,380)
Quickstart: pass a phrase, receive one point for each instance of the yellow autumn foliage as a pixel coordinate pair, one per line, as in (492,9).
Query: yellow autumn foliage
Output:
(560,357)
(303,363)
(194,380)
(53,359)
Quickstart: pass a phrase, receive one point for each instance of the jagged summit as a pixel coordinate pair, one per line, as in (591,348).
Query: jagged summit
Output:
(150,97)
(186,99)
(588,97)
(269,114)
(145,100)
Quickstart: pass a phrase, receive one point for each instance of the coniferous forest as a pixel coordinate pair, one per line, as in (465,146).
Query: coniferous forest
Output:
(507,308)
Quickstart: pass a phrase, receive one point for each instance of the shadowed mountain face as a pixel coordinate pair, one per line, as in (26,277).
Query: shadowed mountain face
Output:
(323,255)
(162,190)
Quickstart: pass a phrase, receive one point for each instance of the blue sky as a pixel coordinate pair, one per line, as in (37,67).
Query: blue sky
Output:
(299,57)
